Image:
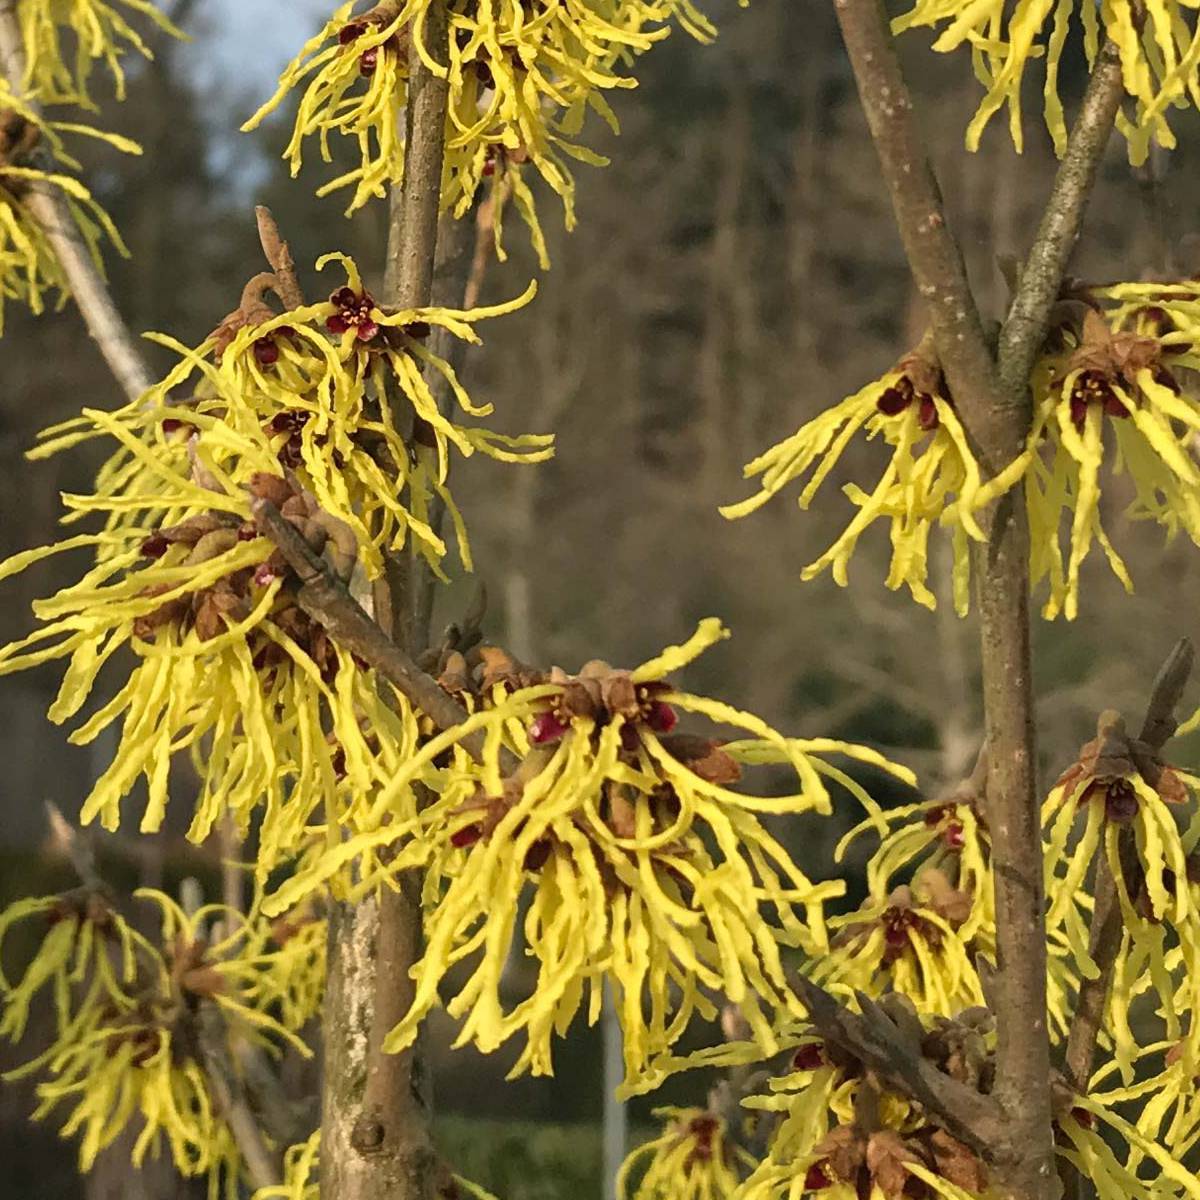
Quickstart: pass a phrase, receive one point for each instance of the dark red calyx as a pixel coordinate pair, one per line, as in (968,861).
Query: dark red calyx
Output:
(935,816)
(809,1058)
(353,312)
(927,414)
(1120,802)
(537,854)
(351,32)
(897,398)
(546,727)
(816,1178)
(468,835)
(155,546)
(661,717)
(953,836)
(266,351)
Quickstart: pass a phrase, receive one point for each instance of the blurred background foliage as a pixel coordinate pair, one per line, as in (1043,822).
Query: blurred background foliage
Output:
(734,270)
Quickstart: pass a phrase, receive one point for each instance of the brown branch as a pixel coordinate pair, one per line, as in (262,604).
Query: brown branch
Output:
(48,207)
(376,1140)
(933,254)
(261,1165)
(880,1044)
(1042,275)
(325,598)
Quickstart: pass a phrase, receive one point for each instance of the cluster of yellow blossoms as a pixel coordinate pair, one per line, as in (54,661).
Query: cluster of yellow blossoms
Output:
(277,717)
(1110,388)
(522,76)
(127,1045)
(32,151)
(642,866)
(1158,44)
(919,947)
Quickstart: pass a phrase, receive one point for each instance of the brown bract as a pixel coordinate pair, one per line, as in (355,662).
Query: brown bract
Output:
(1112,758)
(252,309)
(1116,354)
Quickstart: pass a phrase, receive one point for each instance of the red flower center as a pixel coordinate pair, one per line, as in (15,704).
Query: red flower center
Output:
(353,312)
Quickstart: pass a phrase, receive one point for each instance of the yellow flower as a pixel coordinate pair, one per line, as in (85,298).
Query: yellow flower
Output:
(520,83)
(1158,44)
(1119,793)
(931,478)
(641,864)
(1149,1170)
(299,1173)
(1110,379)
(335,392)
(277,718)
(98,32)
(820,1149)
(119,1053)
(29,266)
(917,941)
(692,1159)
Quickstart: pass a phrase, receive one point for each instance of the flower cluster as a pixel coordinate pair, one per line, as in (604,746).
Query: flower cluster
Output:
(692,1159)
(1156,43)
(642,865)
(1120,801)
(839,1135)
(95,30)
(931,476)
(301,410)
(29,266)
(125,1017)
(336,395)
(521,79)
(1109,386)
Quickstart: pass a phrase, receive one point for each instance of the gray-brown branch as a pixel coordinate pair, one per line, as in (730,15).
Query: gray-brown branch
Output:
(878,1043)
(993,400)
(47,205)
(326,599)
(376,1112)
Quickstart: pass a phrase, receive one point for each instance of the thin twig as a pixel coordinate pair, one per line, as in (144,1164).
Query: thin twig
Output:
(1043,272)
(48,207)
(325,598)
(261,1165)
(876,1041)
